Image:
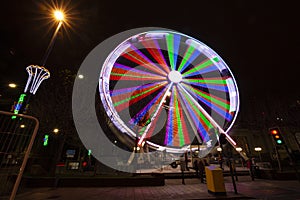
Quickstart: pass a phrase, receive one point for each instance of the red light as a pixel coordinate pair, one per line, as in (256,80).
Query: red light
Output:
(84,164)
(60,164)
(274,132)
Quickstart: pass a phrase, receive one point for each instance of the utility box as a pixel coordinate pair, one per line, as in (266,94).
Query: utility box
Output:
(215,180)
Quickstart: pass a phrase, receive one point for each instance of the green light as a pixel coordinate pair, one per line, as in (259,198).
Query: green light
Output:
(186,57)
(202,65)
(19,105)
(208,97)
(177,114)
(279,141)
(137,95)
(46,140)
(170,46)
(89,152)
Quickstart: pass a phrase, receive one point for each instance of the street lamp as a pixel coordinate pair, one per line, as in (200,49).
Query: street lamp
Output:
(56,130)
(12,85)
(59,16)
(80,76)
(37,74)
(258,149)
(238,149)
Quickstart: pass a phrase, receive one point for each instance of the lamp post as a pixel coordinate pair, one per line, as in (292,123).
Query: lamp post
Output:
(219,149)
(59,16)
(37,74)
(258,149)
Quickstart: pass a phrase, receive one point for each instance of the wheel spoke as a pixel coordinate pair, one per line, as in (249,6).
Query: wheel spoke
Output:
(122,101)
(173,42)
(124,73)
(205,66)
(139,58)
(189,56)
(155,114)
(154,49)
(217,104)
(214,123)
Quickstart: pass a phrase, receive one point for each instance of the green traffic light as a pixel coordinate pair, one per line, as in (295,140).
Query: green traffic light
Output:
(279,142)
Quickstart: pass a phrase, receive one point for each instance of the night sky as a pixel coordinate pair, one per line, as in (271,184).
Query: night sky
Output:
(259,40)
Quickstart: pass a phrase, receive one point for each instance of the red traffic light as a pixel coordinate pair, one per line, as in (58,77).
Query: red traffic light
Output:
(274,132)
(84,164)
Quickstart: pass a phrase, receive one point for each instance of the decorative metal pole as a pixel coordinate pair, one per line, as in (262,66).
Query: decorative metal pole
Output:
(37,74)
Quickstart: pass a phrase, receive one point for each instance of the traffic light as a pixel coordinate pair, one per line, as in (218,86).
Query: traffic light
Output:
(46,137)
(276,135)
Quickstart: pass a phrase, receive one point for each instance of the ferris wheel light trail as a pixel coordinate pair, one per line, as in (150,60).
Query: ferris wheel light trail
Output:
(215,124)
(151,88)
(214,102)
(204,67)
(189,56)
(173,42)
(189,117)
(138,57)
(155,51)
(164,69)
(154,115)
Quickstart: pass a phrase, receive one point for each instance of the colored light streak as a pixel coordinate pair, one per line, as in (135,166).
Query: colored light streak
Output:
(173,42)
(155,114)
(134,98)
(156,53)
(154,102)
(139,58)
(218,106)
(189,56)
(201,123)
(186,94)
(215,124)
(19,105)
(199,68)
(121,72)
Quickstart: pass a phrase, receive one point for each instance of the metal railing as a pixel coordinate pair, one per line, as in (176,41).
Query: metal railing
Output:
(17,136)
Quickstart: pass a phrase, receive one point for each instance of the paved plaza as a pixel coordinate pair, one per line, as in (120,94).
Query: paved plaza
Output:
(173,189)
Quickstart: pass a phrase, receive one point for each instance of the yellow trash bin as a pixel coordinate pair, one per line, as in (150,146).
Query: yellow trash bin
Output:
(215,180)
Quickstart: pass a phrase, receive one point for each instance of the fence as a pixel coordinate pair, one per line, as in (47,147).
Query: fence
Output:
(17,134)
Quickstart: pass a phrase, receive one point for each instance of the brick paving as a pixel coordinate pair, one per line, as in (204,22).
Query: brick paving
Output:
(173,189)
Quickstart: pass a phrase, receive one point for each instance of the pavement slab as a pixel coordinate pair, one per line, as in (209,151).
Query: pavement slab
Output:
(173,189)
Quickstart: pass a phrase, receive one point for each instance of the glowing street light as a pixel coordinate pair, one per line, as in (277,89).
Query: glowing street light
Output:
(59,15)
(238,149)
(80,76)
(219,149)
(258,149)
(22,126)
(12,85)
(56,130)
(38,73)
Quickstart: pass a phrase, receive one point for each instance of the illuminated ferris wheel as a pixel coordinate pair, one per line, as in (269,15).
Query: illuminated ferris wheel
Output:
(168,89)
